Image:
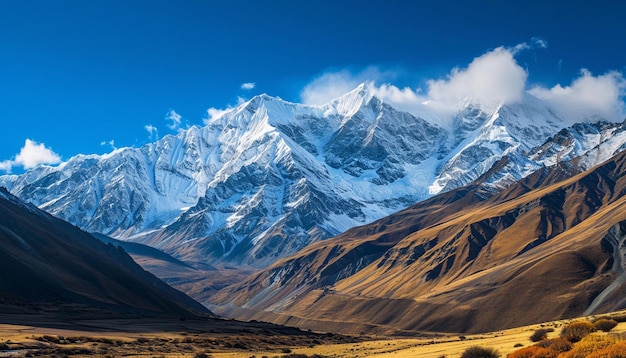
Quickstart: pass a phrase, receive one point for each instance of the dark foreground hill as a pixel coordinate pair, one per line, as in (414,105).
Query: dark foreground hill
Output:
(49,267)
(549,247)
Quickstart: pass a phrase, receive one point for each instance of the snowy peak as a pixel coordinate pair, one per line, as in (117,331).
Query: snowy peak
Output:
(264,179)
(484,134)
(590,142)
(279,111)
(348,104)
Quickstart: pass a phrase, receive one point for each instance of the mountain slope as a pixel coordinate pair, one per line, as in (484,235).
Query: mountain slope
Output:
(49,266)
(548,247)
(267,178)
(140,251)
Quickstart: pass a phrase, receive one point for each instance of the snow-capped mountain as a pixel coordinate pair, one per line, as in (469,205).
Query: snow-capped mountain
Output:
(485,134)
(268,177)
(588,144)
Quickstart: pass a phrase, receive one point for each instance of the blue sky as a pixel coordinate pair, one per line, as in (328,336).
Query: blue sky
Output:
(87,76)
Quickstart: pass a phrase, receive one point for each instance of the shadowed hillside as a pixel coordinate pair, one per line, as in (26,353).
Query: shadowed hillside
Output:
(52,268)
(546,248)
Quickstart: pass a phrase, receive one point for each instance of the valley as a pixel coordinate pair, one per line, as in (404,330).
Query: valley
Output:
(229,339)
(329,218)
(312,179)
(150,337)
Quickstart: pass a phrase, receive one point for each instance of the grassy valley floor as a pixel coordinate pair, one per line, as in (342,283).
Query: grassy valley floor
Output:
(154,338)
(231,339)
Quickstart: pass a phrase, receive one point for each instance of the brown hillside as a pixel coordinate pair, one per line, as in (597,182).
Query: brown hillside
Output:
(544,249)
(50,267)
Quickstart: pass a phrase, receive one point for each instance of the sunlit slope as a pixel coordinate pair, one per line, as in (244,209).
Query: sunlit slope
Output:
(543,249)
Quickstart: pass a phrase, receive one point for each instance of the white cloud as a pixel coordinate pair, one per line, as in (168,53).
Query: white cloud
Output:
(6,165)
(539,42)
(150,128)
(535,42)
(248,85)
(33,154)
(153,131)
(110,143)
(328,87)
(404,99)
(214,114)
(494,77)
(175,119)
(587,96)
(331,85)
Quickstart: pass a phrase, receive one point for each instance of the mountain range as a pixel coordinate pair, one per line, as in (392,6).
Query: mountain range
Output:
(265,179)
(357,216)
(550,246)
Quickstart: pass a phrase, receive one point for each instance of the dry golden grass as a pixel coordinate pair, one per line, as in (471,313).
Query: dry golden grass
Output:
(154,339)
(506,342)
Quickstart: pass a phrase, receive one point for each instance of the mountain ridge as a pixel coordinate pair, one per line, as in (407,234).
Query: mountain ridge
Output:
(263,180)
(545,247)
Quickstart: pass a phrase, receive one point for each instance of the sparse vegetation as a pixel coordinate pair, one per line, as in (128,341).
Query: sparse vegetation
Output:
(184,344)
(615,350)
(605,325)
(268,342)
(533,352)
(547,348)
(591,346)
(540,334)
(480,352)
(577,330)
(619,317)
(556,344)
(587,346)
